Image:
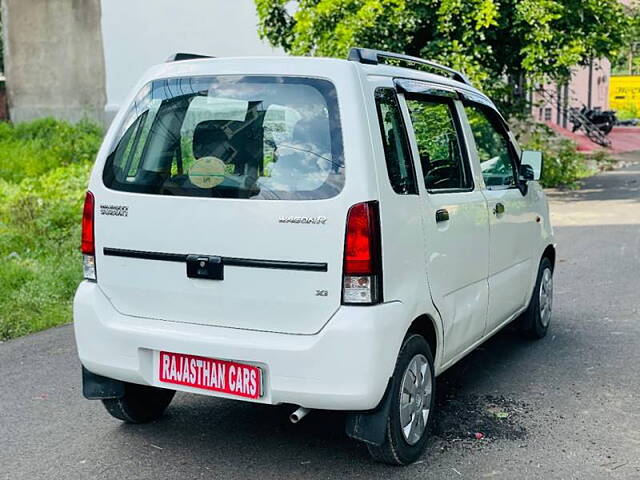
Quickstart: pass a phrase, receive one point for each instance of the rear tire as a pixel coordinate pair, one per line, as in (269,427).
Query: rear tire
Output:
(140,403)
(535,320)
(413,397)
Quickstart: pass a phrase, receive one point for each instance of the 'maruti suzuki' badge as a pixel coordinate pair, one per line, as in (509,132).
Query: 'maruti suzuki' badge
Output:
(114,210)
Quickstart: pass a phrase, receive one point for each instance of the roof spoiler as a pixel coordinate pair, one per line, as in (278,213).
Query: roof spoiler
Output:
(178,57)
(372,57)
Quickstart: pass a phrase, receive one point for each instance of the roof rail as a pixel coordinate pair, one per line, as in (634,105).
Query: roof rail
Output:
(178,57)
(372,57)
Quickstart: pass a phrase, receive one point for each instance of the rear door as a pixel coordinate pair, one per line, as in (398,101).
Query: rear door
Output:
(239,177)
(512,215)
(455,218)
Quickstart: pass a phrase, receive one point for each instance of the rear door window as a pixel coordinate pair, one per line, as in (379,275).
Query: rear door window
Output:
(231,137)
(437,133)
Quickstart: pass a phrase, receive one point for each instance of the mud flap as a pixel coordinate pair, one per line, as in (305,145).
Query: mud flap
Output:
(370,426)
(97,387)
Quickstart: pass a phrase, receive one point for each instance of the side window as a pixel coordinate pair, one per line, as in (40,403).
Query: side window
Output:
(396,145)
(443,164)
(497,159)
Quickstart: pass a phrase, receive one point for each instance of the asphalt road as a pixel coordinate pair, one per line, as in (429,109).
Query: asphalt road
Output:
(564,407)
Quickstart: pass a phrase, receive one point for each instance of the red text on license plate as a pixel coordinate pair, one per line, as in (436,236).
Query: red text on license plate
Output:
(210,374)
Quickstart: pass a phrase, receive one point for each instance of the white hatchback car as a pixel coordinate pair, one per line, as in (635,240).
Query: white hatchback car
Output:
(331,234)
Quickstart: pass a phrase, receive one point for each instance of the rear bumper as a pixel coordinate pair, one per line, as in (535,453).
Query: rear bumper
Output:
(346,366)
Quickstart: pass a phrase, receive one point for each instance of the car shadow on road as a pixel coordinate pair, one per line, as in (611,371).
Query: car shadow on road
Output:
(217,434)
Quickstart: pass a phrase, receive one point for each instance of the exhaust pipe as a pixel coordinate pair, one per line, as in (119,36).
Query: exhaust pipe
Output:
(299,414)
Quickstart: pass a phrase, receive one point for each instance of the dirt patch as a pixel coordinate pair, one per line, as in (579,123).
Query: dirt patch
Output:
(475,420)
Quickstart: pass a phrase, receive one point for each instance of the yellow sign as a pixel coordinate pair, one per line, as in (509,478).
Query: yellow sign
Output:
(624,93)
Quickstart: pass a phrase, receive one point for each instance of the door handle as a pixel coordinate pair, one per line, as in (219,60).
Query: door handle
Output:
(442,215)
(498,209)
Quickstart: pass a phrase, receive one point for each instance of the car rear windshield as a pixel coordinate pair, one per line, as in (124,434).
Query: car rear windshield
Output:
(250,137)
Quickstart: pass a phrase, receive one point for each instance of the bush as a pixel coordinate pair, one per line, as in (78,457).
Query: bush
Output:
(629,112)
(563,164)
(44,169)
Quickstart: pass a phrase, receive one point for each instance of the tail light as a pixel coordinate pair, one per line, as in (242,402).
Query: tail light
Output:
(88,247)
(362,270)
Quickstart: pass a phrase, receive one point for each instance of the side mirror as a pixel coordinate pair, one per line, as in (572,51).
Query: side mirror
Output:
(530,165)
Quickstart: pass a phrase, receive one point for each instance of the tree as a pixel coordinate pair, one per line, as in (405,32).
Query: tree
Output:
(497,43)
(628,59)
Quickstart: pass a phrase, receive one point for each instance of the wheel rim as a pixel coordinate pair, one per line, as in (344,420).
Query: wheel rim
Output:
(415,399)
(546,297)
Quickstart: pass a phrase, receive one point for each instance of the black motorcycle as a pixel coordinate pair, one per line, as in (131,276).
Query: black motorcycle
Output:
(604,120)
(596,123)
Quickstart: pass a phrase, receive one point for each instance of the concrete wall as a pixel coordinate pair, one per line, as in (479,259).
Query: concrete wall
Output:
(140,33)
(54,60)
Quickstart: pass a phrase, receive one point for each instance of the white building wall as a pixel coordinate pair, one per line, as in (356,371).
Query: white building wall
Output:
(140,33)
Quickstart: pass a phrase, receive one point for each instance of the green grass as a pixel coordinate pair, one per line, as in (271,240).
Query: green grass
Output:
(44,169)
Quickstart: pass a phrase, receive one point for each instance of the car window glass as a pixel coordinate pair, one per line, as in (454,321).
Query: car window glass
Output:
(231,137)
(394,139)
(443,165)
(493,146)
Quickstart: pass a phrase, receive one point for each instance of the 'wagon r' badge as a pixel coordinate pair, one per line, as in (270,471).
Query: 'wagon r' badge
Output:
(312,220)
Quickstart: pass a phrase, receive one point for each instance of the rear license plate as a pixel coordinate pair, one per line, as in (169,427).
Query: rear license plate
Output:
(222,376)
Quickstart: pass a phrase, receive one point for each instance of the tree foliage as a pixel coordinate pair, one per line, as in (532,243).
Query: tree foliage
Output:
(496,43)
(628,59)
